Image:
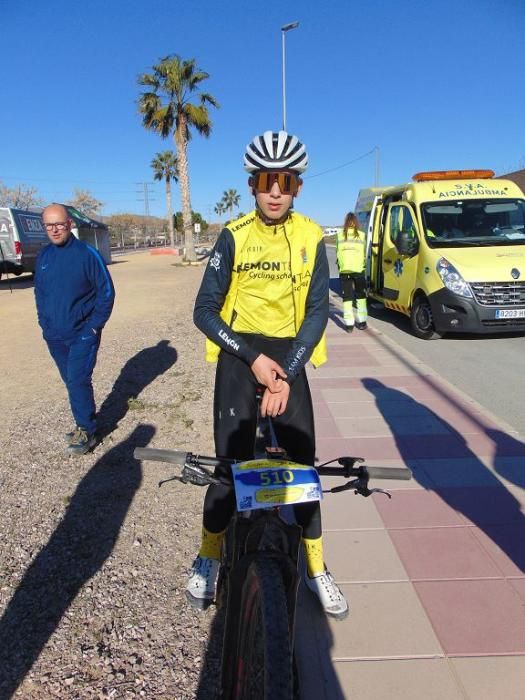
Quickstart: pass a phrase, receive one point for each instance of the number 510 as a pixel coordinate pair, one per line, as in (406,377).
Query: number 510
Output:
(276,478)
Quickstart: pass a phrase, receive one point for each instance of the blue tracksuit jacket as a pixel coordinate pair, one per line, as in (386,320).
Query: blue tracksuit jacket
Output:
(73,290)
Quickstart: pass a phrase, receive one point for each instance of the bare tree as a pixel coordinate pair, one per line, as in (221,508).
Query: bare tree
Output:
(19,197)
(85,202)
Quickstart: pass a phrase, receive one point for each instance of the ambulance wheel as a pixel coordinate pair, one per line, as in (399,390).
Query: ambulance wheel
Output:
(421,319)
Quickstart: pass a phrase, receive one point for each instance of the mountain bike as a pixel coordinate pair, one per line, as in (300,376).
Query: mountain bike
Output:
(258,575)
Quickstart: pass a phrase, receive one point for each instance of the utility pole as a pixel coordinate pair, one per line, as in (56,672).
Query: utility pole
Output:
(376,175)
(146,196)
(147,199)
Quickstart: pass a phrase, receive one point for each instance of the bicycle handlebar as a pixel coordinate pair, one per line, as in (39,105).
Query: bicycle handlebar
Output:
(346,467)
(154,455)
(373,472)
(177,457)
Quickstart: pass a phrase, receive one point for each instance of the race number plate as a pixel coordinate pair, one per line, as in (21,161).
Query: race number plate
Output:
(266,483)
(510,313)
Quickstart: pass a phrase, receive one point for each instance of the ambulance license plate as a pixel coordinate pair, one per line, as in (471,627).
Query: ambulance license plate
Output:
(510,313)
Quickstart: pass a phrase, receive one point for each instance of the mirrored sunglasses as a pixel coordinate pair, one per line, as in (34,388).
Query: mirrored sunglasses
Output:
(288,182)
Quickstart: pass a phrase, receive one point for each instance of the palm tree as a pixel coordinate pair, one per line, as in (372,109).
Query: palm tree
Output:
(230,199)
(220,208)
(165,168)
(166,108)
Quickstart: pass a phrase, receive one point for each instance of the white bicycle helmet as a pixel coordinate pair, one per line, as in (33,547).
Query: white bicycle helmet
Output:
(276,150)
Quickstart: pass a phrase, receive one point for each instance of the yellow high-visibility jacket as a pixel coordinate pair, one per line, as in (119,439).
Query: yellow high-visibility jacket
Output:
(351,251)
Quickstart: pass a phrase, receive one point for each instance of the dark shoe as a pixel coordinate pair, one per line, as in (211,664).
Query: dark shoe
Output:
(71,437)
(349,329)
(362,325)
(82,442)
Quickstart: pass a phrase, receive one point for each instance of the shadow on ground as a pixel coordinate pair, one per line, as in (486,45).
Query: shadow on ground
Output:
(470,489)
(76,550)
(85,537)
(137,373)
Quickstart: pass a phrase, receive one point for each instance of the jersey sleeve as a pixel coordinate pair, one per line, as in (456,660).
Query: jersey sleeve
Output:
(210,300)
(316,317)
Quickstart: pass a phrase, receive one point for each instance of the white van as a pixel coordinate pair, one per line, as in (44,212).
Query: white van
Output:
(22,236)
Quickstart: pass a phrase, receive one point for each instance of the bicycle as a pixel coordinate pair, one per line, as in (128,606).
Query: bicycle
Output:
(258,575)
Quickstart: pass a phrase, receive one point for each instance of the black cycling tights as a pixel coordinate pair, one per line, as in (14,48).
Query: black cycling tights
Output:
(235,422)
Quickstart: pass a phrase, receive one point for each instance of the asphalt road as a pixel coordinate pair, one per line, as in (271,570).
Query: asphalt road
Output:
(490,369)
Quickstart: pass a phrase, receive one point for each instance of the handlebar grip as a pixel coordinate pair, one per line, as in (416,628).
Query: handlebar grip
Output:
(389,473)
(154,455)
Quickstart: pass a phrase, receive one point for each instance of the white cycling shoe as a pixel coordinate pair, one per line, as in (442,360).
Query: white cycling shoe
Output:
(326,589)
(200,589)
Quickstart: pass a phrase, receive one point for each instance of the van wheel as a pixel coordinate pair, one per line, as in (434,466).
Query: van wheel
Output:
(421,319)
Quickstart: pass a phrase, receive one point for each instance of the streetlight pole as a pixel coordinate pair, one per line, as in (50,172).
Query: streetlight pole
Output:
(376,177)
(285,28)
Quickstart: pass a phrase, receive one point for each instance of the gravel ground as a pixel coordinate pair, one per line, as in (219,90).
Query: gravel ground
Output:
(93,555)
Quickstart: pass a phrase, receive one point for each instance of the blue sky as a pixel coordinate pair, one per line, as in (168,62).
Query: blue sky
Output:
(433,85)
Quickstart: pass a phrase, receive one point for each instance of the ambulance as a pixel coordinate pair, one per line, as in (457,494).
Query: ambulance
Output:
(448,251)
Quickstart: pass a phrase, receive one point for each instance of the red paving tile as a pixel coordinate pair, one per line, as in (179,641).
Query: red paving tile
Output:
(419,447)
(327,427)
(448,473)
(505,544)
(519,586)
(369,448)
(416,508)
(475,617)
(481,505)
(443,553)
(457,529)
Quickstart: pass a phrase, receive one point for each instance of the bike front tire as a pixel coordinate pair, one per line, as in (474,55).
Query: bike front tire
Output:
(263,664)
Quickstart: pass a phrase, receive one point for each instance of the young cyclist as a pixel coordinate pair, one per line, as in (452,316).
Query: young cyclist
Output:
(263,305)
(350,245)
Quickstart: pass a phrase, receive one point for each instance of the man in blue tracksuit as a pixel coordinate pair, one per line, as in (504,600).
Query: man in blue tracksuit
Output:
(74,298)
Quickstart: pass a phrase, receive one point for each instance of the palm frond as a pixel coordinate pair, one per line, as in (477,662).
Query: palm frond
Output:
(199,118)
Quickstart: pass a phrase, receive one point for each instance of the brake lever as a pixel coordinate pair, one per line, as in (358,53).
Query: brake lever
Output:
(358,488)
(198,476)
(365,491)
(172,478)
(354,484)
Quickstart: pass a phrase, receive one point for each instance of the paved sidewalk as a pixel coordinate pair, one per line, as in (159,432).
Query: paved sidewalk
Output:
(435,577)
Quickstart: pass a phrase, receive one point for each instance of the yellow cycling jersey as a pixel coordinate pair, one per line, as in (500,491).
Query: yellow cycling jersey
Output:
(264,302)
(270,279)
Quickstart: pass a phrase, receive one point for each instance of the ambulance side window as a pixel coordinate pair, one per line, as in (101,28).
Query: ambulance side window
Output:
(394,224)
(403,230)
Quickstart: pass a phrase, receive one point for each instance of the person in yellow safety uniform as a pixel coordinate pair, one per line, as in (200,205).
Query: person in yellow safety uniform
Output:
(350,246)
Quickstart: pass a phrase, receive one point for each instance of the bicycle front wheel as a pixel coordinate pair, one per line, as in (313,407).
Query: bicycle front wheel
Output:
(264,659)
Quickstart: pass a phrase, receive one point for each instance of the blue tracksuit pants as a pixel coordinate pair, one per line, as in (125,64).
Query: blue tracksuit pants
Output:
(76,361)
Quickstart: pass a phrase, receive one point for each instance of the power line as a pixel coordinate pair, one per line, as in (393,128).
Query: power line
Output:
(344,165)
(66,180)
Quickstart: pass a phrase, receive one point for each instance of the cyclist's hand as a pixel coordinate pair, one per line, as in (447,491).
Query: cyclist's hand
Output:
(268,372)
(274,404)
